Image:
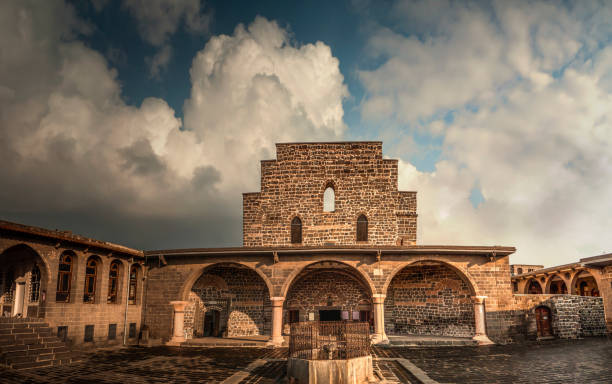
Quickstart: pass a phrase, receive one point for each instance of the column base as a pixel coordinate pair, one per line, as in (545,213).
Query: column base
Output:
(482,340)
(276,342)
(378,339)
(175,341)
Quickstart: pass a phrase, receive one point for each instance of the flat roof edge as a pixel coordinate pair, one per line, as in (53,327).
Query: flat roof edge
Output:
(465,250)
(69,237)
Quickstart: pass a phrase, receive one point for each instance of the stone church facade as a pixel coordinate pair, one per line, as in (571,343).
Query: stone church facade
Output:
(328,237)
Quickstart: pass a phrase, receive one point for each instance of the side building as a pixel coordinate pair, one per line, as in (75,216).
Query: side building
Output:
(87,291)
(577,297)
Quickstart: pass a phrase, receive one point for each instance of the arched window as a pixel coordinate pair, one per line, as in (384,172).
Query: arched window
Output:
(133,284)
(362,228)
(91,273)
(34,284)
(329,199)
(520,271)
(296,230)
(113,282)
(64,277)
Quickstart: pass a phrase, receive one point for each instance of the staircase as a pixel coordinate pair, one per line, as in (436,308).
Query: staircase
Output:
(30,343)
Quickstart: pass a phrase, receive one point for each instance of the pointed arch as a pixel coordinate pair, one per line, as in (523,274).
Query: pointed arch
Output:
(462,273)
(329,198)
(362,228)
(295,273)
(296,230)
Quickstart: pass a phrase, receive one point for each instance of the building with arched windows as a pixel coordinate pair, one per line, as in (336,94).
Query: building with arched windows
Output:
(328,237)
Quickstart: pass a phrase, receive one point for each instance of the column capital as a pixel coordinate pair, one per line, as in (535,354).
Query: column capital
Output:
(378,298)
(478,299)
(277,301)
(179,305)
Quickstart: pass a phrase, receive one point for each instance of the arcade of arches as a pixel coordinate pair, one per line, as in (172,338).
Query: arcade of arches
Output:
(579,282)
(426,298)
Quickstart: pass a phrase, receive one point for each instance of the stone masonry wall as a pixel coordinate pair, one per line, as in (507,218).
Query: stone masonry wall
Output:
(572,317)
(429,300)
(294,183)
(166,283)
(327,289)
(243,302)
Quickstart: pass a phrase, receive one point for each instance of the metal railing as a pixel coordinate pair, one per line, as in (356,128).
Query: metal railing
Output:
(329,340)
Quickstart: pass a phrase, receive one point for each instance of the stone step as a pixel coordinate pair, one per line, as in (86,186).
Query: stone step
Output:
(31,343)
(33,364)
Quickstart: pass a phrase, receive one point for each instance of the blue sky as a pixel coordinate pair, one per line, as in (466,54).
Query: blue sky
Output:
(342,25)
(142,122)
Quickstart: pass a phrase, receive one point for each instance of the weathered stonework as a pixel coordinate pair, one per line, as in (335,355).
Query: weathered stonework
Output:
(293,185)
(327,289)
(429,299)
(240,296)
(572,317)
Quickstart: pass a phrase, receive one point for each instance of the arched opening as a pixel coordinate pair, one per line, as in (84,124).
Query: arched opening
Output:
(557,286)
(114,281)
(543,321)
(66,268)
(228,300)
(533,287)
(362,228)
(23,282)
(328,291)
(584,284)
(329,199)
(91,280)
(34,291)
(429,298)
(133,284)
(296,230)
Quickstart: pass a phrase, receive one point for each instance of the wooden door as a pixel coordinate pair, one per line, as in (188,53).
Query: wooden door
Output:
(543,320)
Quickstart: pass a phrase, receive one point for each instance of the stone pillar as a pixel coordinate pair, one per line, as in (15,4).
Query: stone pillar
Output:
(479,318)
(380,337)
(19,297)
(178,336)
(277,321)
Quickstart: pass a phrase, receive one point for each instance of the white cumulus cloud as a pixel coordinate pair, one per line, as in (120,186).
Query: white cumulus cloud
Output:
(75,156)
(530,90)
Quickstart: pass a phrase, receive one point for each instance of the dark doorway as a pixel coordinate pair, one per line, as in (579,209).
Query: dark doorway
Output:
(211,323)
(543,320)
(294,316)
(330,315)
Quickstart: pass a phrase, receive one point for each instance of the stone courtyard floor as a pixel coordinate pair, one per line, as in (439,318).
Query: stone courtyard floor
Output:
(581,361)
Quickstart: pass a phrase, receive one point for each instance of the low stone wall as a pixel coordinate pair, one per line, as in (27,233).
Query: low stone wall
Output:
(572,317)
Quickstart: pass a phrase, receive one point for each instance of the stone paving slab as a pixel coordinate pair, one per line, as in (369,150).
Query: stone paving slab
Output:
(581,361)
(556,361)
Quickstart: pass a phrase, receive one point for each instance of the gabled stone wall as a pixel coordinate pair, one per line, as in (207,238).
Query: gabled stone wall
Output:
(294,183)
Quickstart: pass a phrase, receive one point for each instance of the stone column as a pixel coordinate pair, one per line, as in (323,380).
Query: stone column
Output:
(277,321)
(178,335)
(19,297)
(380,337)
(479,318)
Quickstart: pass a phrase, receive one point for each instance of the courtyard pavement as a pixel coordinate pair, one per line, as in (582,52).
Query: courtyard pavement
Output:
(581,361)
